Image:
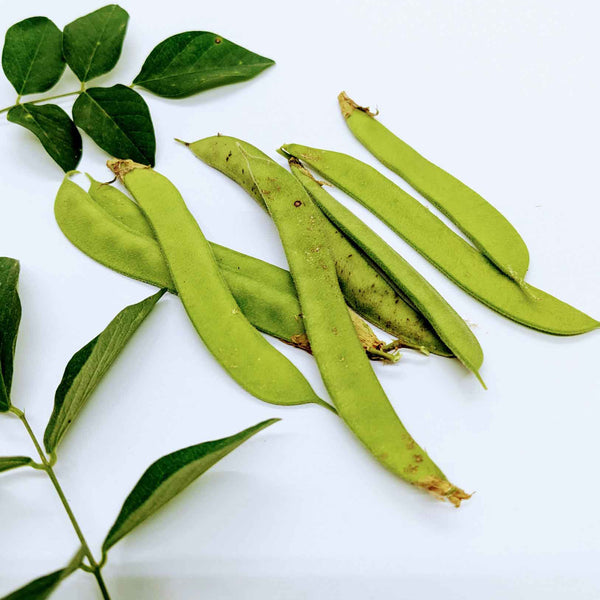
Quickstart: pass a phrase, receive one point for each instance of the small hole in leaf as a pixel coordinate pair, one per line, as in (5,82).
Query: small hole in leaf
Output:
(218,40)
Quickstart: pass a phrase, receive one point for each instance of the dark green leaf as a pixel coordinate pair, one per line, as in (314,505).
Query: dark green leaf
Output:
(168,476)
(92,44)
(42,587)
(192,62)
(118,120)
(32,57)
(10,317)
(13,462)
(54,128)
(89,365)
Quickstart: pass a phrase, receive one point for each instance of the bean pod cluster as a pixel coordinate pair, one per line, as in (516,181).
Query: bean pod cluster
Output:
(342,275)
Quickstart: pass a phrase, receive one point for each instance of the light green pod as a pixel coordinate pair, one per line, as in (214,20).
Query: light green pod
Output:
(365,290)
(111,236)
(451,328)
(355,390)
(483,224)
(119,206)
(446,250)
(240,349)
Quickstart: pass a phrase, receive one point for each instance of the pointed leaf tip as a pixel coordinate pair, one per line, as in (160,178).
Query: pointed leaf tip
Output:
(170,475)
(88,366)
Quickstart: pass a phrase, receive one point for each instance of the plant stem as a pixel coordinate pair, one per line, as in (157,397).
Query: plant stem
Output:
(95,568)
(47,99)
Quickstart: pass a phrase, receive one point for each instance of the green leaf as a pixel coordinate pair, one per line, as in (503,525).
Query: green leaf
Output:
(92,44)
(32,57)
(54,128)
(168,476)
(89,365)
(13,462)
(42,587)
(10,317)
(192,62)
(118,120)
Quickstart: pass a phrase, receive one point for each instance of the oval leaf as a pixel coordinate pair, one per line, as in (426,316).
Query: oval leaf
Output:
(54,128)
(42,587)
(192,62)
(10,317)
(13,462)
(168,476)
(118,120)
(89,365)
(92,44)
(32,57)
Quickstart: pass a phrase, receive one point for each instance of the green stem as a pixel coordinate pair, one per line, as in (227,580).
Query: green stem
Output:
(95,568)
(46,99)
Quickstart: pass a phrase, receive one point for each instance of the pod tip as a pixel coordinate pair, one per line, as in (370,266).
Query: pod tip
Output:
(122,167)
(186,144)
(283,151)
(443,490)
(348,106)
(480,379)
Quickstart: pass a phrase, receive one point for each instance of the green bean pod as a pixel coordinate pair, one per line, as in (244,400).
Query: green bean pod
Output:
(483,224)
(119,206)
(355,390)
(365,290)
(238,347)
(451,328)
(95,223)
(446,250)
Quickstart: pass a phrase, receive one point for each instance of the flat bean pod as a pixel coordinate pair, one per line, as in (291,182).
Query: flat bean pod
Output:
(355,390)
(365,290)
(238,347)
(266,294)
(446,250)
(483,224)
(451,328)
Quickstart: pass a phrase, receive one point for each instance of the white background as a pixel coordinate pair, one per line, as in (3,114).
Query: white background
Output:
(504,95)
